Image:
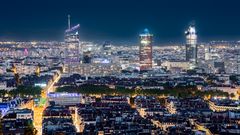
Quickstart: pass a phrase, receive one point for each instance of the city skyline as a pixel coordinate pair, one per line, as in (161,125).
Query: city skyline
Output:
(119,67)
(118,21)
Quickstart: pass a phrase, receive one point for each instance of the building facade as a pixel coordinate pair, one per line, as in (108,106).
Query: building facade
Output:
(72,36)
(65,98)
(191,46)
(145,50)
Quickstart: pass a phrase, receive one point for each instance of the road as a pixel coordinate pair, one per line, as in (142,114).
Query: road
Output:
(39,109)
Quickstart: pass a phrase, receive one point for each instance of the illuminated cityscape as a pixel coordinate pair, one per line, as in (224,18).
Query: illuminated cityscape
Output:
(114,76)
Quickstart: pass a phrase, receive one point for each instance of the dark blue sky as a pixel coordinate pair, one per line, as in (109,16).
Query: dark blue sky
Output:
(119,20)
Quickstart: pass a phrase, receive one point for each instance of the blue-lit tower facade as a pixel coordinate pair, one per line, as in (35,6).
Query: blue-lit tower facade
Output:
(191,46)
(72,39)
(72,52)
(145,50)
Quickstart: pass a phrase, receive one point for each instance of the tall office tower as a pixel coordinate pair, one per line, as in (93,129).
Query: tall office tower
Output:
(107,48)
(72,38)
(238,63)
(191,46)
(72,51)
(207,52)
(145,50)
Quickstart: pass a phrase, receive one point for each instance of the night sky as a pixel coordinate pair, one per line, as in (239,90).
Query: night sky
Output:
(119,20)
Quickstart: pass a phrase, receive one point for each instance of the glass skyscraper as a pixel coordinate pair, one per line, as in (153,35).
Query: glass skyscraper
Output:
(145,50)
(191,46)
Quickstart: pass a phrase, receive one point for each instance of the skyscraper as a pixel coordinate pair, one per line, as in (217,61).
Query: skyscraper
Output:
(238,63)
(191,46)
(145,50)
(207,51)
(72,44)
(107,48)
(72,38)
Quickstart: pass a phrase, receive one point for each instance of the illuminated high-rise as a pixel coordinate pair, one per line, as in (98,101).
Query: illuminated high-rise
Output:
(107,48)
(207,51)
(72,38)
(72,44)
(238,63)
(145,50)
(191,46)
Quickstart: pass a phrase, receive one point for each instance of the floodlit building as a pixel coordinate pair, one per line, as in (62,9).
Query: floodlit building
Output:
(238,63)
(72,36)
(107,48)
(184,65)
(207,52)
(191,46)
(145,50)
(65,98)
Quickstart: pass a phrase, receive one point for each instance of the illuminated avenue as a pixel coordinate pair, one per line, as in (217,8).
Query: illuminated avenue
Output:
(77,87)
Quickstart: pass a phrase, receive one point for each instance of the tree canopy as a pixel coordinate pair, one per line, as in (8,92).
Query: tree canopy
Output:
(182,92)
(23,91)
